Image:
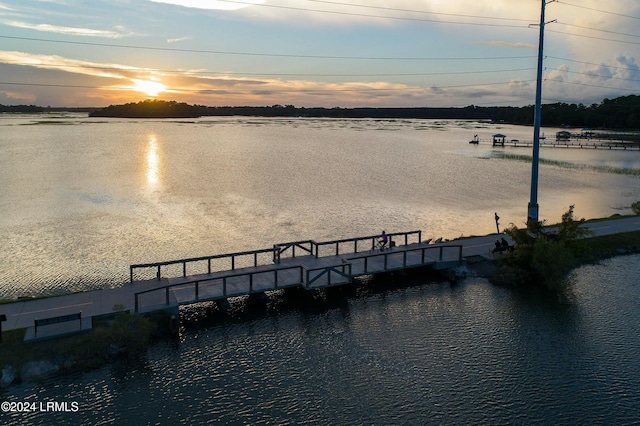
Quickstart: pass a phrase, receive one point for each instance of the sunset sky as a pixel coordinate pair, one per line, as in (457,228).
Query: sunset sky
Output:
(375,53)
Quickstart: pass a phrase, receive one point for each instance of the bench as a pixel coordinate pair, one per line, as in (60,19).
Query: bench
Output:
(56,326)
(502,249)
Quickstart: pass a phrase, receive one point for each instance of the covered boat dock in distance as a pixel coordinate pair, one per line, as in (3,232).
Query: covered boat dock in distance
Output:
(499,139)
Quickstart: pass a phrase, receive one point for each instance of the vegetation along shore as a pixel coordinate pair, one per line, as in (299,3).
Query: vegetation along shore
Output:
(622,113)
(543,256)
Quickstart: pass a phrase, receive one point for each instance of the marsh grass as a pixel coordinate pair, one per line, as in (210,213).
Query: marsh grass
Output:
(567,164)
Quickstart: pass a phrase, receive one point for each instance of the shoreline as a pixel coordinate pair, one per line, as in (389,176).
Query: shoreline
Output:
(125,335)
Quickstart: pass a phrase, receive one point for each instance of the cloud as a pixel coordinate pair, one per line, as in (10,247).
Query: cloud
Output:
(507,44)
(12,98)
(87,32)
(210,4)
(178,39)
(59,63)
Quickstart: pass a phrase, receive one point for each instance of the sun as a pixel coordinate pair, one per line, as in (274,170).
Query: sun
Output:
(151,88)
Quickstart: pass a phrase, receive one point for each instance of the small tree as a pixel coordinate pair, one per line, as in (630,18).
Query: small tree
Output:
(131,331)
(569,229)
(543,257)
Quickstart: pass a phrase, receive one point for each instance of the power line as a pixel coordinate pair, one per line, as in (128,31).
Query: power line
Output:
(280,55)
(597,10)
(587,63)
(593,85)
(377,16)
(199,72)
(594,38)
(319,90)
(595,75)
(417,11)
(598,29)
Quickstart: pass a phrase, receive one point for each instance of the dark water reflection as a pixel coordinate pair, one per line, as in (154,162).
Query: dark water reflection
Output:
(418,351)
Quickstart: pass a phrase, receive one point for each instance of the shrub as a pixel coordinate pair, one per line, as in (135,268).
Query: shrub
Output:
(551,261)
(543,257)
(131,331)
(636,207)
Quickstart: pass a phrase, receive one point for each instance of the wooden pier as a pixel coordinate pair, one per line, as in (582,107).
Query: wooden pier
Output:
(562,143)
(303,264)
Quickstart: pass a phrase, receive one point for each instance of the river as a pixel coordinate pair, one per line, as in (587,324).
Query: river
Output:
(84,198)
(419,351)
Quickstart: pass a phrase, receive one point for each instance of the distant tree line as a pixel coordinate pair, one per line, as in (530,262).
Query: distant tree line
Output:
(33,109)
(618,113)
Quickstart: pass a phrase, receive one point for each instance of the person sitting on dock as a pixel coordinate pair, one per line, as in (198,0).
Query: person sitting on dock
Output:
(384,239)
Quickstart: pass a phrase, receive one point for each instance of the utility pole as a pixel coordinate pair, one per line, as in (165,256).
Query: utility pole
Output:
(532,215)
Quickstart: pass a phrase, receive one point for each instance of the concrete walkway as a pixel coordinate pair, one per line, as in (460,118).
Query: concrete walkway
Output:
(23,314)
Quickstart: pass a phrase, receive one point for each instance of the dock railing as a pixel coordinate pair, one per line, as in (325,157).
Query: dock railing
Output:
(232,261)
(362,244)
(402,259)
(308,247)
(342,270)
(197,285)
(204,265)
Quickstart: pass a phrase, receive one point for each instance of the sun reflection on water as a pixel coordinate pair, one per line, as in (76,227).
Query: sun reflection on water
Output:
(153,161)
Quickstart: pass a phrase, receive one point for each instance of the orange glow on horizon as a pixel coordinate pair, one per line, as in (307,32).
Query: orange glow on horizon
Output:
(148,87)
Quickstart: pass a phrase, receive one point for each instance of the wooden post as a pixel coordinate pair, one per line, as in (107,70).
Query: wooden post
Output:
(3,318)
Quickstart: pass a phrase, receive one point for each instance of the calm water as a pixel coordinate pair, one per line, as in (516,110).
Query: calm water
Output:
(430,353)
(82,199)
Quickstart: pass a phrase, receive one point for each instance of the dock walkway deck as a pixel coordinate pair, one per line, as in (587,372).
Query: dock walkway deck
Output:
(320,265)
(306,264)
(565,143)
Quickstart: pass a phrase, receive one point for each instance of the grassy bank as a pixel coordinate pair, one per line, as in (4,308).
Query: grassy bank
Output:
(123,335)
(553,260)
(129,335)
(606,246)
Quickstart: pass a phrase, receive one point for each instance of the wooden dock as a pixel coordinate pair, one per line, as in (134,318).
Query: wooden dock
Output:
(564,143)
(305,264)
(302,265)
